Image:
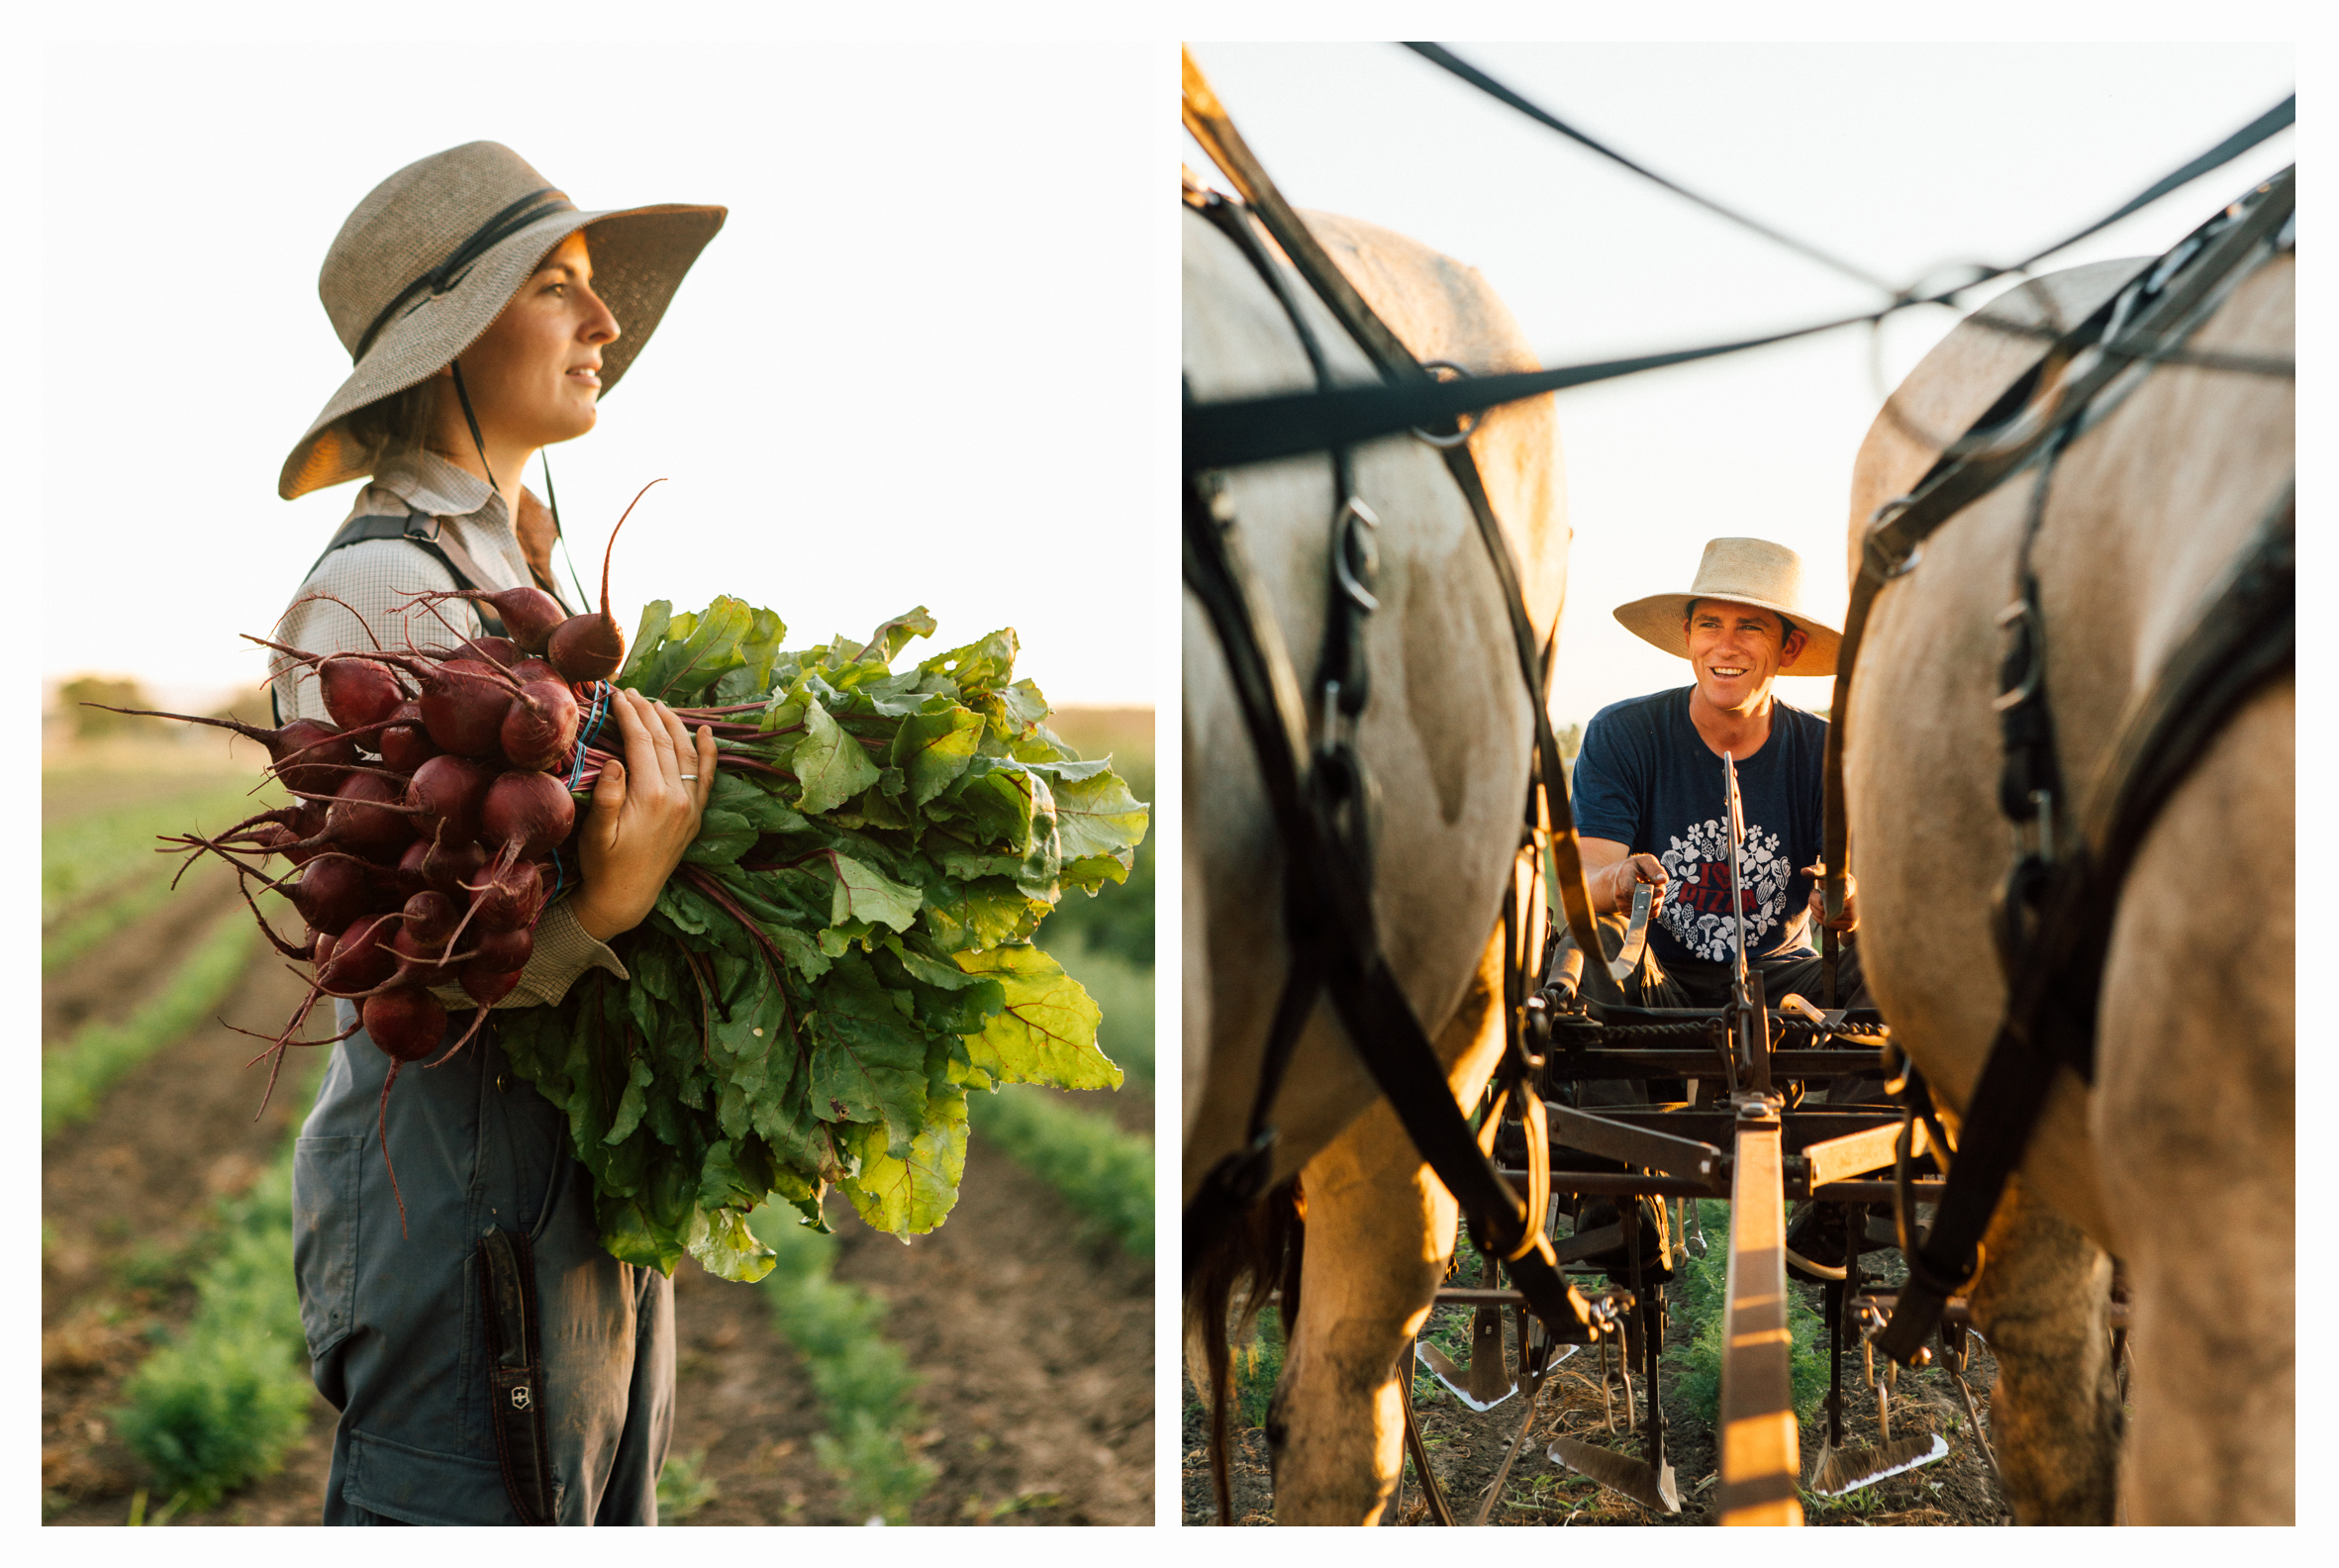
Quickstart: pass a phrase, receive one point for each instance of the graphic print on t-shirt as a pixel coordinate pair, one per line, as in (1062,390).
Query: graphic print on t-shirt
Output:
(1698,895)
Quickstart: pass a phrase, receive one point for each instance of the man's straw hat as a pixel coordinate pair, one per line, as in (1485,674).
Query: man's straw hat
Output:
(432,255)
(1744,572)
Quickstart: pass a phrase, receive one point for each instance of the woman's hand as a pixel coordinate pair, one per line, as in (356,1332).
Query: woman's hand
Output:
(645,813)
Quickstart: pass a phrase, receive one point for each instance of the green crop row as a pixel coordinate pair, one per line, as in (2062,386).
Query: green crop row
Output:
(125,902)
(87,858)
(1699,1297)
(222,1402)
(77,1072)
(1104,1173)
(1124,993)
(862,1378)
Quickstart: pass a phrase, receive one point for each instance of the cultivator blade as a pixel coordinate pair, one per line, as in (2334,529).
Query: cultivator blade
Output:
(1650,1487)
(1840,1470)
(1491,1381)
(1460,1383)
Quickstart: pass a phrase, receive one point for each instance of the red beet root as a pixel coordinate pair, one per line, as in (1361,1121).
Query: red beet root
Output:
(361,958)
(358,692)
(447,793)
(504,949)
(487,986)
(406,1021)
(430,918)
(508,898)
(439,867)
(529,614)
(405,744)
(591,646)
(539,726)
(333,891)
(526,816)
(370,818)
(307,755)
(462,704)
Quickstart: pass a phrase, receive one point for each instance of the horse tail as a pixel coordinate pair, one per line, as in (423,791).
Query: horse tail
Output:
(1231,1281)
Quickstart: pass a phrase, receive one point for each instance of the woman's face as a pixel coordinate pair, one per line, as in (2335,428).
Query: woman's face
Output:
(535,375)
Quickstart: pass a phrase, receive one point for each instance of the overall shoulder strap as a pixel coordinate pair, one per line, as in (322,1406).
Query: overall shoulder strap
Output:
(425,533)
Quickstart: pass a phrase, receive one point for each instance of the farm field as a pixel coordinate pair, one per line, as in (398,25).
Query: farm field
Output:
(1466,1446)
(1025,1325)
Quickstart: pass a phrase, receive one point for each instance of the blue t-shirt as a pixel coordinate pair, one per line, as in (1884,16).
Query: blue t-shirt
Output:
(1645,778)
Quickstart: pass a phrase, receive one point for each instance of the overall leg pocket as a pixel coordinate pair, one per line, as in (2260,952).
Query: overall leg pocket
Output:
(325,1236)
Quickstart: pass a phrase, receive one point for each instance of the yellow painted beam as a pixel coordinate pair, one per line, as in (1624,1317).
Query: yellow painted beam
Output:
(1760,1456)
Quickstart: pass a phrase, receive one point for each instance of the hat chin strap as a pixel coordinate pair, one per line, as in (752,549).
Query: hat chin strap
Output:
(473,420)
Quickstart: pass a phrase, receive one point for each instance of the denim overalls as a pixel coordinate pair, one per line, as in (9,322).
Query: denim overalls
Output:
(396,1337)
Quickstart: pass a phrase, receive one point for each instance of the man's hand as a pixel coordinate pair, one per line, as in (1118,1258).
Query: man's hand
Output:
(645,813)
(1816,871)
(1612,886)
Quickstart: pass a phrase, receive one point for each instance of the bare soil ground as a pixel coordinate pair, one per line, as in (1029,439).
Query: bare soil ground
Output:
(1037,1349)
(1037,1345)
(1466,1448)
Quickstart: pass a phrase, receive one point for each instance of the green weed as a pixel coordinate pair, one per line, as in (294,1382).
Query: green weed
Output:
(684,1487)
(1257,1367)
(1698,1296)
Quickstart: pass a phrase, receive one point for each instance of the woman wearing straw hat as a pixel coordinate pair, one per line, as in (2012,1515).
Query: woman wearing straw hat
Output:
(1649,791)
(493,1364)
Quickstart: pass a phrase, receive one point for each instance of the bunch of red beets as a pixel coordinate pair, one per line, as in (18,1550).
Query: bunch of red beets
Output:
(426,815)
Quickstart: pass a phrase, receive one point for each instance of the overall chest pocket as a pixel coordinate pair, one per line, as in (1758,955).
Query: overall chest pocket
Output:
(324,1233)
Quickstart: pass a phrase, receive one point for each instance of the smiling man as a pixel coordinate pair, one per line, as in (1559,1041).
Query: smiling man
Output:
(1651,802)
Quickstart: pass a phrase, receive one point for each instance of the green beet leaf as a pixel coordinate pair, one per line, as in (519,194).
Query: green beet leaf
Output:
(910,1192)
(1047,1032)
(864,894)
(830,767)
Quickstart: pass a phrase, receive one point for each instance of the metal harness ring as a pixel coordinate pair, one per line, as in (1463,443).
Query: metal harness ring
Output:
(1462,433)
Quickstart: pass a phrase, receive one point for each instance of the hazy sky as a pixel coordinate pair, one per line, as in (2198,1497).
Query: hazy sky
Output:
(1900,157)
(901,375)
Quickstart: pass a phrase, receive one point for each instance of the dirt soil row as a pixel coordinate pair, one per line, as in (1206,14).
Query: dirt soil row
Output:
(1037,1345)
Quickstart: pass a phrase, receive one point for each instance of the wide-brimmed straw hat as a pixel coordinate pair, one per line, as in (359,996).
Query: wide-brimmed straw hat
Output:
(1744,572)
(436,252)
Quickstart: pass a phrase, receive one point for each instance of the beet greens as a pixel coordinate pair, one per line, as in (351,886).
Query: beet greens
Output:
(846,951)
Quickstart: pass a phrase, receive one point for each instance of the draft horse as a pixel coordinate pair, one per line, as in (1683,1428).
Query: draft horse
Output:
(1446,738)
(2177,1158)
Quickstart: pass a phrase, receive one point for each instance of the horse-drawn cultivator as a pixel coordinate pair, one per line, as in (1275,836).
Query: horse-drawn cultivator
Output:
(1745,1115)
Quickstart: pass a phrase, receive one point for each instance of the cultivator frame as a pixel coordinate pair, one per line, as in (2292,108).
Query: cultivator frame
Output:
(1749,1125)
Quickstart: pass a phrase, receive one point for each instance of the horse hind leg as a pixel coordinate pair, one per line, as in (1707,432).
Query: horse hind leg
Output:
(2043,1304)
(2198,1098)
(1380,1232)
